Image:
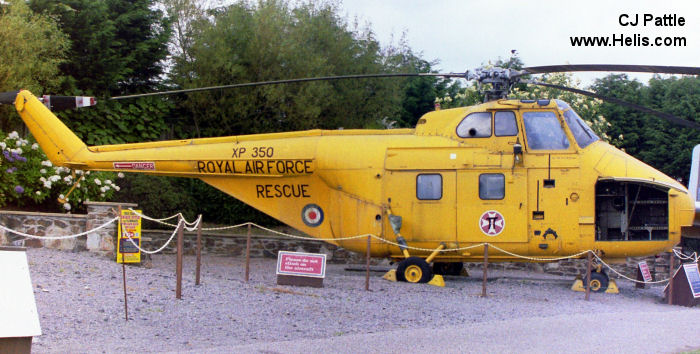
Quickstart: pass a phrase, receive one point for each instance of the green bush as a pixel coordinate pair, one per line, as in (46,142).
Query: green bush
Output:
(29,180)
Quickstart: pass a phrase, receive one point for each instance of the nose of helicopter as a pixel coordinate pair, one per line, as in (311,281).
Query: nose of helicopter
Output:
(613,164)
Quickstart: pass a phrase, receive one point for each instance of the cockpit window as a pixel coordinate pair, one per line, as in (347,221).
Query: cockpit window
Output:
(544,131)
(504,123)
(475,125)
(583,134)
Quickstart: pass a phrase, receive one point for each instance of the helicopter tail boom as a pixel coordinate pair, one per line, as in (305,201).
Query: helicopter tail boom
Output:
(59,143)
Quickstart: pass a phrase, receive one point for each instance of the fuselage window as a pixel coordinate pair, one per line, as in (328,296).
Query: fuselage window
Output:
(429,187)
(544,131)
(504,124)
(492,186)
(583,134)
(475,125)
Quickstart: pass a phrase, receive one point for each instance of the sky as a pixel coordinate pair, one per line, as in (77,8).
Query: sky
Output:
(465,34)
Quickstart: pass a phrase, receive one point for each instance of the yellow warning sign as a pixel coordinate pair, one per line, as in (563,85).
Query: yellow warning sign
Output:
(129,227)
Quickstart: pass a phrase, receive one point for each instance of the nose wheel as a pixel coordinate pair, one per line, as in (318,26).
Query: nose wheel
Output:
(599,282)
(414,270)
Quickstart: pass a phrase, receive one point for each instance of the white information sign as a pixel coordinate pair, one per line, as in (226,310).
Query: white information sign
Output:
(18,314)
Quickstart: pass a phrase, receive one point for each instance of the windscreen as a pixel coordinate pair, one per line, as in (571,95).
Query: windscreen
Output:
(544,131)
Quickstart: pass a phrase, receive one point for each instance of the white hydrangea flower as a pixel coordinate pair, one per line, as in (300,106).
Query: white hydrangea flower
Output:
(38,192)
(68,178)
(18,143)
(97,181)
(47,184)
(3,145)
(61,196)
(46,163)
(35,146)
(108,181)
(43,171)
(54,178)
(66,206)
(116,188)
(13,135)
(120,175)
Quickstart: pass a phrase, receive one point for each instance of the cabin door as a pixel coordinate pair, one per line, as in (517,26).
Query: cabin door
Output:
(426,203)
(492,205)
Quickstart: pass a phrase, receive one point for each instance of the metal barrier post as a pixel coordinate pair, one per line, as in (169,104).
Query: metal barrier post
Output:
(486,266)
(588,276)
(199,251)
(126,306)
(178,263)
(369,238)
(671,266)
(247,256)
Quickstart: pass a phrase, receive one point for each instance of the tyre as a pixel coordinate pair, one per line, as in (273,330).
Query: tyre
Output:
(599,282)
(414,270)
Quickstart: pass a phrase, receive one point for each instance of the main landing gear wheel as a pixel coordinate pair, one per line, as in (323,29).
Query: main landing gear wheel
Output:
(414,270)
(452,268)
(599,282)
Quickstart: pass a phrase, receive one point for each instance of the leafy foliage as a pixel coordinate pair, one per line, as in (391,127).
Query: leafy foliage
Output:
(31,49)
(27,178)
(649,138)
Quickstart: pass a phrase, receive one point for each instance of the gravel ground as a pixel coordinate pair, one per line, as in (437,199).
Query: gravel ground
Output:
(80,302)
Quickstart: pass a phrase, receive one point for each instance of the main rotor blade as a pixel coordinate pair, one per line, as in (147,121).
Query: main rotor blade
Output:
(669,117)
(684,70)
(289,81)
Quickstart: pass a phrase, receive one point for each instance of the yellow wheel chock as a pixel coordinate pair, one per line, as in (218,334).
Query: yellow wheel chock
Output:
(579,286)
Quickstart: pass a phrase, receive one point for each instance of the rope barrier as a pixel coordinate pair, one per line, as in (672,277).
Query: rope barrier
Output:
(59,237)
(192,226)
(626,277)
(158,250)
(694,256)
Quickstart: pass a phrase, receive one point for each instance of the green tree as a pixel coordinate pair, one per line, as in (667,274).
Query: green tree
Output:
(31,49)
(117,47)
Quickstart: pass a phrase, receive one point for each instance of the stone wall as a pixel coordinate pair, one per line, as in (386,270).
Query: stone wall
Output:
(234,243)
(262,245)
(52,224)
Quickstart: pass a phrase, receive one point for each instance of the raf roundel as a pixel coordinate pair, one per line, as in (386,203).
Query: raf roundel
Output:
(312,215)
(492,223)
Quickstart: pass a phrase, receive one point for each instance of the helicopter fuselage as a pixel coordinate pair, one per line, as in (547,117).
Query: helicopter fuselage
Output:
(527,176)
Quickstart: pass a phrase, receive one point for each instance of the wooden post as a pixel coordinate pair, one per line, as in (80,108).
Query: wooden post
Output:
(369,238)
(199,251)
(671,266)
(247,256)
(126,306)
(588,277)
(486,266)
(178,262)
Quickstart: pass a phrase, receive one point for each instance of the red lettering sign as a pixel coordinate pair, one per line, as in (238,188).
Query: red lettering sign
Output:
(301,264)
(146,166)
(644,268)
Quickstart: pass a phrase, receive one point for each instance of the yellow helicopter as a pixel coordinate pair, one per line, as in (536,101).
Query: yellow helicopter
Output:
(528,176)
